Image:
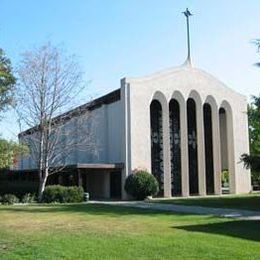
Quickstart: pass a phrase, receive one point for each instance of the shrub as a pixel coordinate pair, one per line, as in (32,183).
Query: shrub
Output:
(255,176)
(74,194)
(225,177)
(28,198)
(62,194)
(141,184)
(9,199)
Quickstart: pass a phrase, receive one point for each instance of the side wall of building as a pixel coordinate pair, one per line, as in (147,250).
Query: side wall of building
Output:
(100,128)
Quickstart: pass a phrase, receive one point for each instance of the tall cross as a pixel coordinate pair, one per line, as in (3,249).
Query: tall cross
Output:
(187,14)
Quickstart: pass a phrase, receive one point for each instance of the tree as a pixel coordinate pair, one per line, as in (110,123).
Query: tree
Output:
(254,125)
(49,83)
(253,160)
(9,150)
(7,82)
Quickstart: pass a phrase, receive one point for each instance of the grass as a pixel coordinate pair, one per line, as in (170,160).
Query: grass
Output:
(248,201)
(111,232)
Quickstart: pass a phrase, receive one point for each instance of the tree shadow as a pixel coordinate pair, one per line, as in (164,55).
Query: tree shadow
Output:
(90,209)
(245,229)
(250,202)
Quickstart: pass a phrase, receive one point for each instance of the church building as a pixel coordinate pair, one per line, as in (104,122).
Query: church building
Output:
(182,125)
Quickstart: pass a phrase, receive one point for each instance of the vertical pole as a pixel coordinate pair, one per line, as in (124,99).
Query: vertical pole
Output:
(79,178)
(125,92)
(188,37)
(187,13)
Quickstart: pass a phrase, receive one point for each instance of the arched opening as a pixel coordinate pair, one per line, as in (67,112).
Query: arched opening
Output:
(207,115)
(224,150)
(175,146)
(192,146)
(157,143)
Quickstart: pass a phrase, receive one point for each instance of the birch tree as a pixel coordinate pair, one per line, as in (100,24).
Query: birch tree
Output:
(49,84)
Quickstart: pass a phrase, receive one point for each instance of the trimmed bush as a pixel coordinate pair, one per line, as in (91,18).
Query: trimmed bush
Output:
(28,198)
(74,194)
(141,184)
(62,194)
(9,199)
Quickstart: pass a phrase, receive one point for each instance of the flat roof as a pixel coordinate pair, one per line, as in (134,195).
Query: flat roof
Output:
(92,105)
(86,166)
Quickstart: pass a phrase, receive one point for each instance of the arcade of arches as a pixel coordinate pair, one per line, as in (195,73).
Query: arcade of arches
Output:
(206,154)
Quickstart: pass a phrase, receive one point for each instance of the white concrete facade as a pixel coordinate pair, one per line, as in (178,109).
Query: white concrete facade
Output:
(122,129)
(183,83)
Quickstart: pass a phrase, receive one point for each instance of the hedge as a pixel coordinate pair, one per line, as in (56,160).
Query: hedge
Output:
(62,194)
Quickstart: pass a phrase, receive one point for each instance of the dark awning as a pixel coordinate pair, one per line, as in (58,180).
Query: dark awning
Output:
(96,166)
(83,166)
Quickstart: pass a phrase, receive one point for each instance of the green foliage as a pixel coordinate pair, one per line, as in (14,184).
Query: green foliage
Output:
(7,81)
(255,178)
(253,160)
(141,184)
(9,199)
(254,125)
(224,177)
(28,198)
(8,152)
(18,188)
(62,194)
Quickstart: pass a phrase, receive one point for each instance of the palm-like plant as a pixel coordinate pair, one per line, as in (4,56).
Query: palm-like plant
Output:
(251,161)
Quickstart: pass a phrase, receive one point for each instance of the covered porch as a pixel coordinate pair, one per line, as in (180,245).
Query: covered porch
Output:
(101,181)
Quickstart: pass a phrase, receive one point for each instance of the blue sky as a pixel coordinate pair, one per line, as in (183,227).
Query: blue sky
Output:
(118,38)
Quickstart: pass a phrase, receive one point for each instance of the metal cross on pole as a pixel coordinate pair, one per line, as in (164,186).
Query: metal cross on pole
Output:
(187,14)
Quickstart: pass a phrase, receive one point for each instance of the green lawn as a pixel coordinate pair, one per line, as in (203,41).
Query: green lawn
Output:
(110,232)
(248,201)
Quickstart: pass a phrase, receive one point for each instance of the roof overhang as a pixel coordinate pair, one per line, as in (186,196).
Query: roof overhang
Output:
(81,166)
(96,166)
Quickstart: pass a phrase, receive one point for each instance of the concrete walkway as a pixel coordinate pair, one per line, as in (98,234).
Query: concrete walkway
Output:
(228,213)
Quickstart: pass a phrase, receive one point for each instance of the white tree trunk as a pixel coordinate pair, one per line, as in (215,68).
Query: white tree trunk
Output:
(42,184)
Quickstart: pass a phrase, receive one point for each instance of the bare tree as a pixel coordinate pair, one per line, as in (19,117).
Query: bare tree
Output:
(49,84)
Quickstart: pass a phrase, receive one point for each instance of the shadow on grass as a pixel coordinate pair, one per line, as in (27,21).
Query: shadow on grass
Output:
(248,202)
(90,209)
(245,229)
